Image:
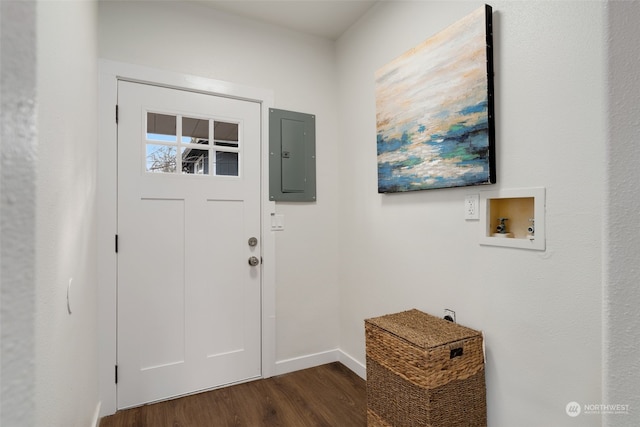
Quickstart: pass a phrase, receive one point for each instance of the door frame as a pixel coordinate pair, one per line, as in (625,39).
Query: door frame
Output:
(110,73)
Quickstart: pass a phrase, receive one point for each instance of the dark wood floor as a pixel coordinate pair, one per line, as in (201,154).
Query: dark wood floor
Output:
(329,396)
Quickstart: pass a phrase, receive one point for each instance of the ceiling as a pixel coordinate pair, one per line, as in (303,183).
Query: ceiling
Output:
(324,18)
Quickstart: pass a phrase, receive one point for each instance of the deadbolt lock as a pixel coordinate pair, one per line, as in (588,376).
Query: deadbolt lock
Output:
(253,241)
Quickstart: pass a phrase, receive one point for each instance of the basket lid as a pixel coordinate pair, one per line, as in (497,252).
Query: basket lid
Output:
(422,329)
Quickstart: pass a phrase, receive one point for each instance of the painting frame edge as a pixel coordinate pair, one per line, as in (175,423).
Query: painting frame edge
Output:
(488,16)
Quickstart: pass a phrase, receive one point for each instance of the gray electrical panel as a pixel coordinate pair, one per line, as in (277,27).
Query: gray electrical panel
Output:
(292,156)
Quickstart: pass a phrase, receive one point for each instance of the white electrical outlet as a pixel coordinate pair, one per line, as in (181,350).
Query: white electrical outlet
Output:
(449,315)
(471,206)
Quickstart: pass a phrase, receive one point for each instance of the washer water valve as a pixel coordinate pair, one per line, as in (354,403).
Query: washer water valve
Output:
(502,227)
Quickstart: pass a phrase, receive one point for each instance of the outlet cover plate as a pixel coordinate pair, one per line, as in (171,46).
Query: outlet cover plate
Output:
(471,206)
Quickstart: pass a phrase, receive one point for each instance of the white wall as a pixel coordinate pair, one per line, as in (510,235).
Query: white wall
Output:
(66,355)
(541,311)
(300,69)
(621,375)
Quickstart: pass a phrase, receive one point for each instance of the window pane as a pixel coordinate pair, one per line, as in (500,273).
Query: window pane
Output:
(161,158)
(225,134)
(195,161)
(195,131)
(226,163)
(161,127)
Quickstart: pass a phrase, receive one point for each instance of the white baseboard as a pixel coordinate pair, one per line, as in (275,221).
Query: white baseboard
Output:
(354,365)
(322,358)
(307,361)
(96,416)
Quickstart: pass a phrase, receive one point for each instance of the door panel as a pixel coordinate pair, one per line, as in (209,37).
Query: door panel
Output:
(225,297)
(161,335)
(188,201)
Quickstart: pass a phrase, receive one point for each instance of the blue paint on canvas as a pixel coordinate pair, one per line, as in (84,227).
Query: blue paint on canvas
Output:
(432,112)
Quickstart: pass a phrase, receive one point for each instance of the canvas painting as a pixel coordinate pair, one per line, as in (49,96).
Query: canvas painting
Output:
(434,111)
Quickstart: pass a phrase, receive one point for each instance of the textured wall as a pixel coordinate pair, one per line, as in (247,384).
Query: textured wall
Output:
(17,211)
(622,234)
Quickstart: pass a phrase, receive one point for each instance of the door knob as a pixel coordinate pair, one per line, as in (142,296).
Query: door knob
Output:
(253,261)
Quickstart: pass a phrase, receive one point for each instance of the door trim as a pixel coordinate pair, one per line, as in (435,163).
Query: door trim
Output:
(110,73)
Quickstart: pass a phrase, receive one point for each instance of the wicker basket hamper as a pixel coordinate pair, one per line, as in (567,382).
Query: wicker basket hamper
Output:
(423,371)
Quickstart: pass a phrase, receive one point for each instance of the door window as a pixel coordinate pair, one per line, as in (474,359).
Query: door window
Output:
(180,144)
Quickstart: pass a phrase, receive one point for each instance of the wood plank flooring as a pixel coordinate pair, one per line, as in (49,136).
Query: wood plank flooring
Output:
(326,396)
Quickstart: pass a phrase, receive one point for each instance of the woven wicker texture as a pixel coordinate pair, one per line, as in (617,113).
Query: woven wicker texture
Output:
(422,329)
(412,378)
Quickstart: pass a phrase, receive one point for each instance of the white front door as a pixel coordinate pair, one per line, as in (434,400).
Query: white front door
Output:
(188,204)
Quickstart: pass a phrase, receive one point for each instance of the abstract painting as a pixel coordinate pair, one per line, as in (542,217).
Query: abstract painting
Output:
(434,111)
